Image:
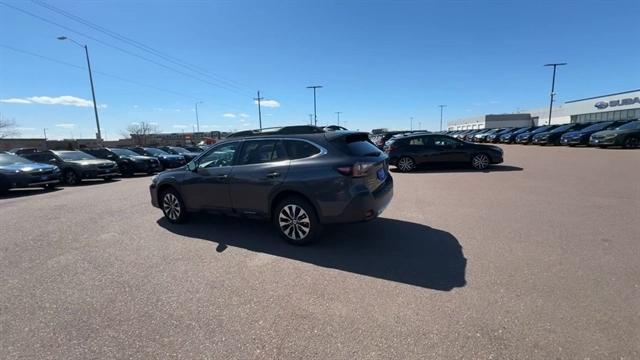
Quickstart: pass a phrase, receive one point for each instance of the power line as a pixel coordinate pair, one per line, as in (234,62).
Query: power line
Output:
(95,71)
(122,50)
(140,45)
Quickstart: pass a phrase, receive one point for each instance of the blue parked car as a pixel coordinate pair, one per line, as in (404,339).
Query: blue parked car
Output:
(18,172)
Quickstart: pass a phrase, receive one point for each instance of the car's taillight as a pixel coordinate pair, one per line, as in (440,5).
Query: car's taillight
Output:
(358,169)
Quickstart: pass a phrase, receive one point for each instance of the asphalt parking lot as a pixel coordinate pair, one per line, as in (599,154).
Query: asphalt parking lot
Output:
(536,258)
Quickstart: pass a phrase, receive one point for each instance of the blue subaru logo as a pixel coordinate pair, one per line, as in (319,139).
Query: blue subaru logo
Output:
(602,105)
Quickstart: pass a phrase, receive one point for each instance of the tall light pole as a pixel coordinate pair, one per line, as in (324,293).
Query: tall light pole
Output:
(315,114)
(198,118)
(411,123)
(310,119)
(258,99)
(93,92)
(553,85)
(338,113)
(441,107)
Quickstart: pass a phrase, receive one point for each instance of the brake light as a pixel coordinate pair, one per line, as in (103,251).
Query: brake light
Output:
(358,169)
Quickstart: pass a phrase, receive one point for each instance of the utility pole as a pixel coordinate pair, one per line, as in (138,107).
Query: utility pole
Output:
(411,123)
(310,119)
(338,113)
(258,99)
(553,84)
(441,108)
(93,92)
(197,118)
(45,134)
(315,114)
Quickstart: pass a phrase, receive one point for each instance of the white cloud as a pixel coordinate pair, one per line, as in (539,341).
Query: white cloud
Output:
(229,115)
(135,123)
(136,106)
(180,126)
(66,125)
(268,103)
(153,123)
(15,101)
(243,115)
(57,100)
(25,128)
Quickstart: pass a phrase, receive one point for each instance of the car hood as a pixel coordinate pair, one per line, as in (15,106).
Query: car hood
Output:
(574,133)
(170,157)
(90,162)
(616,132)
(139,157)
(27,167)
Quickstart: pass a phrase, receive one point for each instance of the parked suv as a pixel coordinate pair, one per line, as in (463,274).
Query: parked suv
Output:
(300,182)
(128,161)
(76,165)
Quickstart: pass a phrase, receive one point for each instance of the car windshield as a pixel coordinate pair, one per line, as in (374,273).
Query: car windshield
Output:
(563,128)
(544,128)
(629,126)
(8,159)
(597,126)
(75,155)
(124,152)
(179,149)
(154,151)
(519,131)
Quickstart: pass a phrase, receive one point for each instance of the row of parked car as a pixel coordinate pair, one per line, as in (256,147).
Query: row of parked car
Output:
(28,167)
(624,133)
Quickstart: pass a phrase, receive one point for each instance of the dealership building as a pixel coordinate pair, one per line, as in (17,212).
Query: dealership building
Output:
(618,106)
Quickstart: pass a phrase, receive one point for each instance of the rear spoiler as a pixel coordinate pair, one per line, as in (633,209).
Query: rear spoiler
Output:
(347,136)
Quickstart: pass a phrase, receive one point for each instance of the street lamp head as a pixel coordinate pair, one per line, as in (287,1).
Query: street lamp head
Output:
(62,38)
(556,64)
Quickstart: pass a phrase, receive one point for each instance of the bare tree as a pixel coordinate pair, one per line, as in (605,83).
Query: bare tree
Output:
(140,131)
(7,127)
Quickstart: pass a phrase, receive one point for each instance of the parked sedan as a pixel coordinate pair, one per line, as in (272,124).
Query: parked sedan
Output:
(177,150)
(525,137)
(77,165)
(409,152)
(167,161)
(581,137)
(553,136)
(627,136)
(481,137)
(510,137)
(300,182)
(128,161)
(18,172)
(495,137)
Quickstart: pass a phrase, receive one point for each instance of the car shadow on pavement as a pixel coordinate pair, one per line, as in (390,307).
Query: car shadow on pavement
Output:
(459,169)
(388,249)
(21,192)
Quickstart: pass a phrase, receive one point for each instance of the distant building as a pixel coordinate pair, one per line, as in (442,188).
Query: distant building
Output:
(172,139)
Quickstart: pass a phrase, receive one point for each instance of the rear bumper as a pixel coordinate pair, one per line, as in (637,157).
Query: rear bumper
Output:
(364,206)
(26,184)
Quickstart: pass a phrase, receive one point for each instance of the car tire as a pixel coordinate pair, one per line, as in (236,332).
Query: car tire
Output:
(480,161)
(108,178)
(631,142)
(71,177)
(50,187)
(405,164)
(126,170)
(296,220)
(173,206)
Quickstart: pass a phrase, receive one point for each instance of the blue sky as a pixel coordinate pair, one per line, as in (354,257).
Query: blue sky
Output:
(380,62)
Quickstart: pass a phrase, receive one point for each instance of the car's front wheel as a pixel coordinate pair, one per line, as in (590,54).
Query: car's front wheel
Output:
(296,220)
(480,161)
(172,206)
(71,177)
(406,164)
(631,142)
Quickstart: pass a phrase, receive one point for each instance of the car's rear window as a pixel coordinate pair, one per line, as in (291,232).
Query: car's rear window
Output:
(357,145)
(300,149)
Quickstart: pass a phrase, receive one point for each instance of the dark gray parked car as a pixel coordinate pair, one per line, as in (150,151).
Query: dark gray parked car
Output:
(77,165)
(299,181)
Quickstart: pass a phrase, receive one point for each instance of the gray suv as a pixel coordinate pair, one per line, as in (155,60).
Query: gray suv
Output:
(77,165)
(300,182)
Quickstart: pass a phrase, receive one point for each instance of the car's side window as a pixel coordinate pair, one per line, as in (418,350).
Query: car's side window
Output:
(443,141)
(418,141)
(258,152)
(219,156)
(300,149)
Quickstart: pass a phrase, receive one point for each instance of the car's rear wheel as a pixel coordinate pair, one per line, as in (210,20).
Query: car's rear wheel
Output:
(296,220)
(406,164)
(173,206)
(71,177)
(480,161)
(631,142)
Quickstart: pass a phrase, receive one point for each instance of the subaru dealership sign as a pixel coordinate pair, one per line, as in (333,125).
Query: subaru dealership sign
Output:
(618,102)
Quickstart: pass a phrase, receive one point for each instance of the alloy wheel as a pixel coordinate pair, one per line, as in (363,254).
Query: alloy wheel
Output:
(171,206)
(631,143)
(480,161)
(71,178)
(294,222)
(405,164)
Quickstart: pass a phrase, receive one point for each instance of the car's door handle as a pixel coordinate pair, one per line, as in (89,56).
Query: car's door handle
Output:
(222,177)
(273,175)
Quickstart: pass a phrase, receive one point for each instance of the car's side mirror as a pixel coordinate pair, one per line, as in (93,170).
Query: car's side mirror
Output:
(192,166)
(53,160)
